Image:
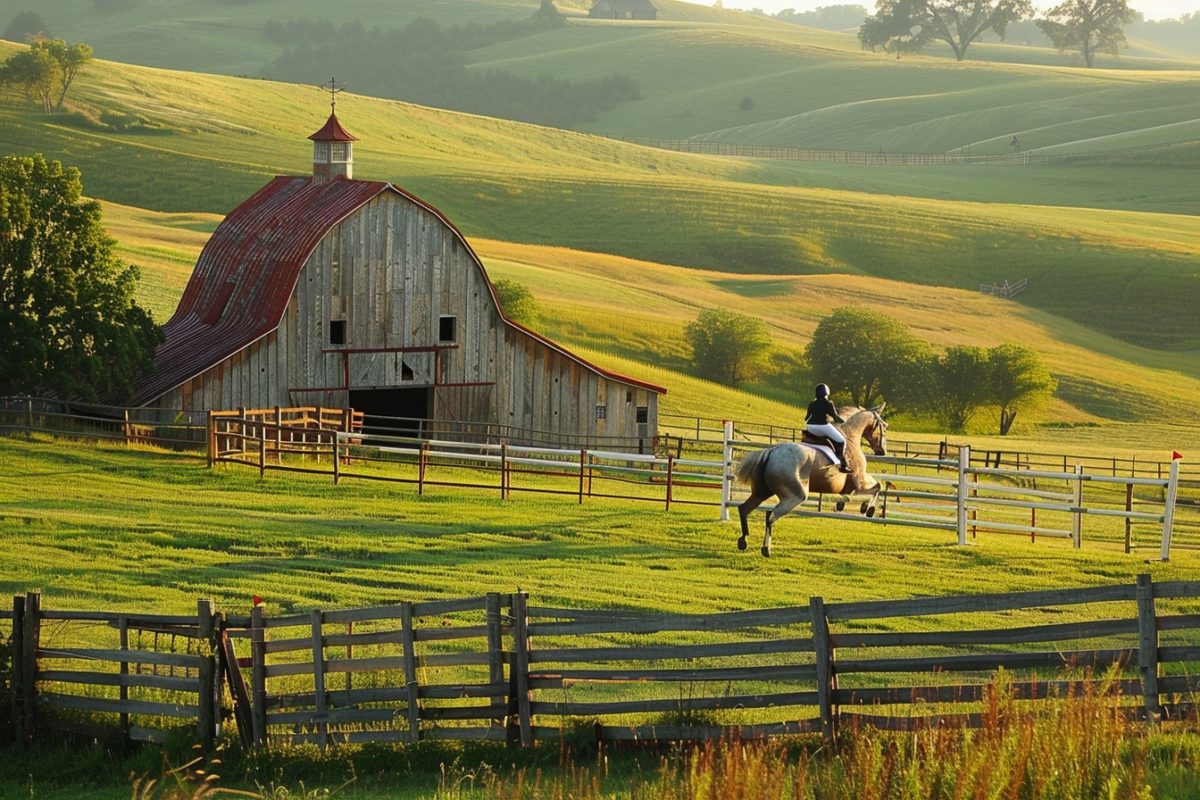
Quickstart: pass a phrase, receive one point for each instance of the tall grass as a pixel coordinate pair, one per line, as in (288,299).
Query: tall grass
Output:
(1078,747)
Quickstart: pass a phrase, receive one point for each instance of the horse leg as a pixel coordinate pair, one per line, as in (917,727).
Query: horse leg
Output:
(869,505)
(781,510)
(749,504)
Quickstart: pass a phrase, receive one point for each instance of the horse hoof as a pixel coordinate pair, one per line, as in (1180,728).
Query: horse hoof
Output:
(742,543)
(866,509)
(871,511)
(766,551)
(840,506)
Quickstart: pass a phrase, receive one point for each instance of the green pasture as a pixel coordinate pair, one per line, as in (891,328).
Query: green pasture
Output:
(189,147)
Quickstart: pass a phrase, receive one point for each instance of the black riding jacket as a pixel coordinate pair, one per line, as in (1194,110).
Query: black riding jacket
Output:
(821,412)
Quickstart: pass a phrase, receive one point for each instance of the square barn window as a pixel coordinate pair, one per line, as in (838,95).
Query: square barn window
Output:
(447,329)
(337,331)
(601,412)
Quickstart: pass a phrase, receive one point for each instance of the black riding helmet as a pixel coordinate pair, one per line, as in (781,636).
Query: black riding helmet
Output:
(822,390)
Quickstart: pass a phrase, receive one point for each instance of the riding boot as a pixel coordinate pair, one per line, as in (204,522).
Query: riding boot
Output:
(839,448)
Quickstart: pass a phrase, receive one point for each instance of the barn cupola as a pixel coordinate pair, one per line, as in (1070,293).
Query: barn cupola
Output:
(333,146)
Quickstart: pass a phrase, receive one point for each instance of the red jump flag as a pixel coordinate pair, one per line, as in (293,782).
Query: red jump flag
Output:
(1176,455)
(256,600)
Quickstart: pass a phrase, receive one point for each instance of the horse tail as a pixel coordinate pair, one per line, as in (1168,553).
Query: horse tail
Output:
(751,464)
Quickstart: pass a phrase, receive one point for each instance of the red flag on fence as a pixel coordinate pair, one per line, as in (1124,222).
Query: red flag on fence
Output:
(256,600)
(1176,455)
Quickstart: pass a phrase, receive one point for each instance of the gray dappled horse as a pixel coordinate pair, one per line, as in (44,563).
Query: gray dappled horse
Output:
(791,471)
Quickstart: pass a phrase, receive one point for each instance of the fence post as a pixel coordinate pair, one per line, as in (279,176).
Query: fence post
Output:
(1128,521)
(726,465)
(964,460)
(1169,506)
(495,638)
(582,473)
(504,470)
(316,620)
(262,450)
(520,665)
(1077,511)
(1148,645)
(18,668)
(123,692)
(126,429)
(422,461)
(210,437)
(337,458)
(32,634)
(208,675)
(278,435)
(258,676)
(824,662)
(410,671)
(670,477)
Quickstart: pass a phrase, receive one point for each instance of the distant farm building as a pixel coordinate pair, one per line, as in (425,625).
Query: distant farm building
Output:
(330,291)
(623,9)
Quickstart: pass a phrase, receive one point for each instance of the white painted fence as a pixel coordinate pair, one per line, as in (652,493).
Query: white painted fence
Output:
(972,499)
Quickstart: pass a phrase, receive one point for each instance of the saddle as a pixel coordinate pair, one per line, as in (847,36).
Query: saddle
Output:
(834,447)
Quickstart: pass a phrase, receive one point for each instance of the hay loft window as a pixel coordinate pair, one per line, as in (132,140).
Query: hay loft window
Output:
(337,331)
(601,412)
(447,329)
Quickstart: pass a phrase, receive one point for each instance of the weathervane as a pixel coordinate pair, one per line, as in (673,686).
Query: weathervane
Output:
(334,91)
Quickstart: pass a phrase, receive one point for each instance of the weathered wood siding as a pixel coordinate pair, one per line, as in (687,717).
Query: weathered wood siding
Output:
(392,270)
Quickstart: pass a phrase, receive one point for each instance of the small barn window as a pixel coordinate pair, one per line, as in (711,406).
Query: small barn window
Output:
(321,152)
(629,397)
(601,412)
(337,331)
(447,329)
(643,415)
(339,152)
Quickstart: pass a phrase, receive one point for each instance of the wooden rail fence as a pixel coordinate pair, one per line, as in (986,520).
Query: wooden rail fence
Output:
(495,667)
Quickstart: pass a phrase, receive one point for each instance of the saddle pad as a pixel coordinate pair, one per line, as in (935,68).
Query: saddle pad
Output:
(824,450)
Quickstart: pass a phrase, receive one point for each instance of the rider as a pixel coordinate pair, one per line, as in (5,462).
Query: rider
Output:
(820,412)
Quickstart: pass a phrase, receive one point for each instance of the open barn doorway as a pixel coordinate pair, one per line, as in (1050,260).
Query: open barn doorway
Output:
(396,412)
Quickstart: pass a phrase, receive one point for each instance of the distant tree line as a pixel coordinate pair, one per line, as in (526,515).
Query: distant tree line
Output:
(424,63)
(868,358)
(831,18)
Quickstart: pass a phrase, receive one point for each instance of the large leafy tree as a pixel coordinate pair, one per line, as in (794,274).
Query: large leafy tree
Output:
(1018,380)
(869,356)
(961,378)
(67,315)
(727,347)
(46,70)
(1089,26)
(913,23)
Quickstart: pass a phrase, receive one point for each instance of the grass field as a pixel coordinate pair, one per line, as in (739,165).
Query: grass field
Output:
(1129,274)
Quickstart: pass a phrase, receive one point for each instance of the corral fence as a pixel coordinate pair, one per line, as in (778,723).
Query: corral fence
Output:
(1005,290)
(947,490)
(1027,158)
(495,667)
(951,492)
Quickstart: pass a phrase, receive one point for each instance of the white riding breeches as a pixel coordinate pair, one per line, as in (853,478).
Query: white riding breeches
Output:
(827,430)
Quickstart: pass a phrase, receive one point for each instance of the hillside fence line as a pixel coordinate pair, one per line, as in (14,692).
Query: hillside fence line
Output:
(495,667)
(938,486)
(880,157)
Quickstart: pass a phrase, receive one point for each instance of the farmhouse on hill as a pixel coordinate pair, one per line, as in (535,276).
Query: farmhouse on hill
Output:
(324,290)
(623,9)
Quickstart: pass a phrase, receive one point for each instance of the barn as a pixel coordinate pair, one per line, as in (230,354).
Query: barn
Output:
(325,290)
(623,9)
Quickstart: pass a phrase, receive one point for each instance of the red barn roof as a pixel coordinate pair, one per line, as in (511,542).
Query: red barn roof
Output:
(247,272)
(333,131)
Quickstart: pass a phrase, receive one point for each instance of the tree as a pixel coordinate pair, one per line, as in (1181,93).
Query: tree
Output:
(894,28)
(67,313)
(1018,381)
(45,71)
(25,26)
(1089,26)
(727,347)
(868,355)
(517,302)
(961,377)
(958,23)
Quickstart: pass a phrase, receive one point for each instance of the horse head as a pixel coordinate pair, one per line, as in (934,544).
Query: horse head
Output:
(876,432)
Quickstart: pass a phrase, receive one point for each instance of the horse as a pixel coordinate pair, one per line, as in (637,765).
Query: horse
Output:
(790,471)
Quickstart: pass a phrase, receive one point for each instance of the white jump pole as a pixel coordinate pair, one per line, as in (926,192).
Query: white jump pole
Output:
(1077,518)
(1169,506)
(726,466)
(964,461)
